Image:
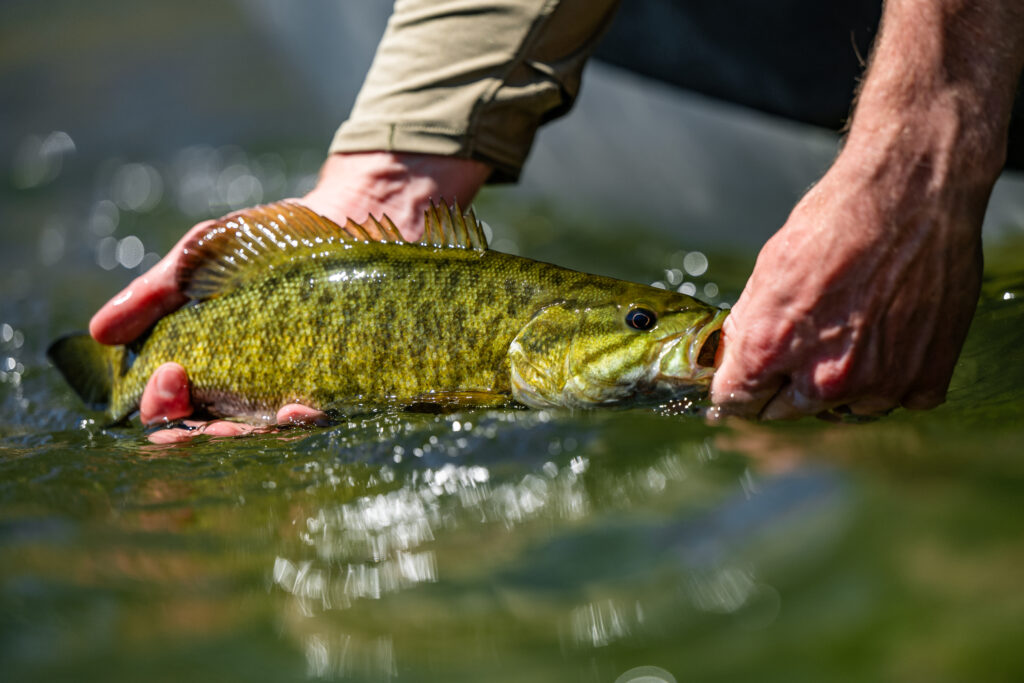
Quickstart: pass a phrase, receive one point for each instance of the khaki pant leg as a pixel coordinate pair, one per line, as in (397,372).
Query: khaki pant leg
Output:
(473,79)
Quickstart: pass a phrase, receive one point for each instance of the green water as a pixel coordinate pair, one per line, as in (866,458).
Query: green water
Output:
(502,545)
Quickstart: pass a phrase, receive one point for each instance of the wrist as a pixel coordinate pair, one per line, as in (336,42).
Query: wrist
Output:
(903,170)
(940,88)
(938,140)
(401,185)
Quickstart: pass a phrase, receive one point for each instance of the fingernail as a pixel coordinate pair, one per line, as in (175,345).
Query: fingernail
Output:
(169,385)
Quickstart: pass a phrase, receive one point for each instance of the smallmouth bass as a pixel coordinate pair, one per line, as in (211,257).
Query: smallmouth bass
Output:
(289,307)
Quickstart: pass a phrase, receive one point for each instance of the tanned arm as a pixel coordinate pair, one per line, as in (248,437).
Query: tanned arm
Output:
(864,297)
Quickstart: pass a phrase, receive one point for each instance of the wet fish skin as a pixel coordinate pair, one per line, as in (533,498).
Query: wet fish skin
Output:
(352,324)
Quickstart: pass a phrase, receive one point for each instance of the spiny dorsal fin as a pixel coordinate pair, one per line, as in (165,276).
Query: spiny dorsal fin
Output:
(242,245)
(451,227)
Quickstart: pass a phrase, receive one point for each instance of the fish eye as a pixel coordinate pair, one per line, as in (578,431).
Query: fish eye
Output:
(641,319)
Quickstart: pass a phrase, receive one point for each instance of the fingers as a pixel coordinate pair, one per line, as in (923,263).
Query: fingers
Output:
(298,414)
(166,396)
(873,407)
(924,400)
(194,428)
(167,436)
(737,389)
(791,403)
(148,298)
(739,400)
(292,414)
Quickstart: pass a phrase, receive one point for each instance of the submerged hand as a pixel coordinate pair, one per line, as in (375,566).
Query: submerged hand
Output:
(350,186)
(166,400)
(862,299)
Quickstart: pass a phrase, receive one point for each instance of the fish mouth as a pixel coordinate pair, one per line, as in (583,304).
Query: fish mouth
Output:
(703,351)
(689,356)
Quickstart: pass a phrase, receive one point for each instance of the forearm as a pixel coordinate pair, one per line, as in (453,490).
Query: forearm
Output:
(935,105)
(864,297)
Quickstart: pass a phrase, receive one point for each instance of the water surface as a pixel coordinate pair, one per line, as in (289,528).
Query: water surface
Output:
(490,545)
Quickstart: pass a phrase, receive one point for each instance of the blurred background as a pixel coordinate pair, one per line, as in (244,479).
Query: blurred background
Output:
(196,105)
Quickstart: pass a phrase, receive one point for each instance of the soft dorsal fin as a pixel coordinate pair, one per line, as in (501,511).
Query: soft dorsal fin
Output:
(451,227)
(244,244)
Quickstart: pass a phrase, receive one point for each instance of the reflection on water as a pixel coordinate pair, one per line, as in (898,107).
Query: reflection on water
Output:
(488,545)
(566,550)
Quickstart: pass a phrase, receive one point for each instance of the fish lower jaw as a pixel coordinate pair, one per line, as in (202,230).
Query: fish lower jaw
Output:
(678,362)
(711,329)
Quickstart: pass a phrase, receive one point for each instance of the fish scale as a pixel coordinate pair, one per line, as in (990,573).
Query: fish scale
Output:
(294,308)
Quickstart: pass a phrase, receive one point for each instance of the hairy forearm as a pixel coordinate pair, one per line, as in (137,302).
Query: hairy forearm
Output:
(939,90)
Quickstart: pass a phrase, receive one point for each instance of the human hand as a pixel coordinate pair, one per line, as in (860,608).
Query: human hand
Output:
(166,401)
(350,186)
(861,300)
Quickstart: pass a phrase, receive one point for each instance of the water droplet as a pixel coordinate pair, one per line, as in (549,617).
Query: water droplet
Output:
(104,218)
(711,290)
(149,260)
(695,263)
(137,187)
(106,253)
(687,288)
(677,258)
(130,251)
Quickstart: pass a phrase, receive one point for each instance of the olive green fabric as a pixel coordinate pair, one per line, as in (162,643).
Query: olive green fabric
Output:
(473,79)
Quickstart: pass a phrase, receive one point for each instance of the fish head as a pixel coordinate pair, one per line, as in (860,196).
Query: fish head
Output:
(640,347)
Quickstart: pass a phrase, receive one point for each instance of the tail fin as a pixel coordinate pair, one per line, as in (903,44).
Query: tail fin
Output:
(87,365)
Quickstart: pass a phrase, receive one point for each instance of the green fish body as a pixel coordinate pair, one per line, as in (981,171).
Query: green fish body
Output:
(289,307)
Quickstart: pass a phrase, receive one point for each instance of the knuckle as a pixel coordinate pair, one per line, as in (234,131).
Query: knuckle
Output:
(832,379)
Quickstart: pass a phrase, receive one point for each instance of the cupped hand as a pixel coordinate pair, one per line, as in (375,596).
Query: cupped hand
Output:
(166,401)
(350,186)
(859,303)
